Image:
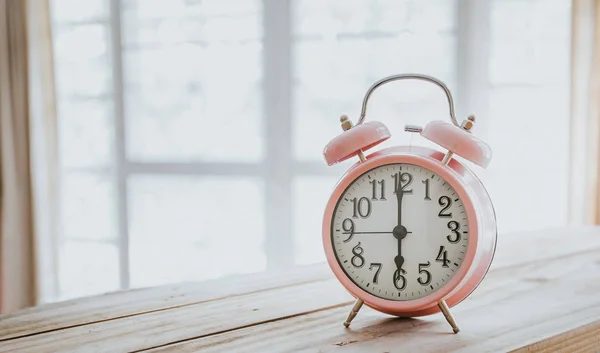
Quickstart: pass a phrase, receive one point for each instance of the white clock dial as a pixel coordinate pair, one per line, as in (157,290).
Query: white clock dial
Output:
(427,240)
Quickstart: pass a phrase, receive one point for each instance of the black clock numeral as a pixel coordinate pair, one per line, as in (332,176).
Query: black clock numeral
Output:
(382,184)
(360,209)
(376,276)
(422,270)
(348,228)
(445,202)
(399,280)
(454,227)
(402,181)
(443,257)
(357,260)
(426,182)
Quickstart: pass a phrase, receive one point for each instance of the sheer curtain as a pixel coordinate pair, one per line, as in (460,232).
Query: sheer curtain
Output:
(43,147)
(584,205)
(26,140)
(16,237)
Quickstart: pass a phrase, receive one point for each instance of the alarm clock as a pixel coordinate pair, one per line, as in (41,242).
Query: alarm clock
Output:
(408,230)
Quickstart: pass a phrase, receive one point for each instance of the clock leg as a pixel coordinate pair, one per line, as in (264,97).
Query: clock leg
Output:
(357,305)
(446,311)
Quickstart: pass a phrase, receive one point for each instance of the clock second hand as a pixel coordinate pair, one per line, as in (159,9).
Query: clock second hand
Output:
(345,233)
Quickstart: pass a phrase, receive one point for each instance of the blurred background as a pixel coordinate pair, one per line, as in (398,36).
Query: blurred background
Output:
(181,140)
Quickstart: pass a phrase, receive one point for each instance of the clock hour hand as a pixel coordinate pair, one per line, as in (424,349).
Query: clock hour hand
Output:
(399,233)
(399,260)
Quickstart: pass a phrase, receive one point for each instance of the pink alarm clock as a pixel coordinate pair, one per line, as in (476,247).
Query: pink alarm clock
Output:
(409,231)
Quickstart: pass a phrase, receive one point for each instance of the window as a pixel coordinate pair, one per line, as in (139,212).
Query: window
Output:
(191,131)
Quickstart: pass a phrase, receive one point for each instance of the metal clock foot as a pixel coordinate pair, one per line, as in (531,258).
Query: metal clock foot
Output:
(446,311)
(357,305)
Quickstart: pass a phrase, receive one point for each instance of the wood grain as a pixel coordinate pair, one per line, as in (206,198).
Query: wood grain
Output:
(512,250)
(581,339)
(522,304)
(159,328)
(512,308)
(57,316)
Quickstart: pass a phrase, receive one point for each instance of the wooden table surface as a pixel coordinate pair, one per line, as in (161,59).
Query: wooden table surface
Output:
(541,295)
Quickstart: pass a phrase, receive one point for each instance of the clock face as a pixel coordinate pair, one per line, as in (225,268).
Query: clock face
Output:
(400,232)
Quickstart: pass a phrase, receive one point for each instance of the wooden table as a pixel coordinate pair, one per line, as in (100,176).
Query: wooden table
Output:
(541,295)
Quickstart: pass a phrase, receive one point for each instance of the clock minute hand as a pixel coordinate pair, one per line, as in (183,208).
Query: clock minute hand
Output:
(399,194)
(399,178)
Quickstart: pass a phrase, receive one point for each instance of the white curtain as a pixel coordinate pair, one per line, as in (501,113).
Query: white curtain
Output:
(16,237)
(584,190)
(27,153)
(43,148)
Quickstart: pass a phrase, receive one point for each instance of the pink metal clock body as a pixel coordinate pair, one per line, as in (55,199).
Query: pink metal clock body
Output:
(458,140)
(482,230)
